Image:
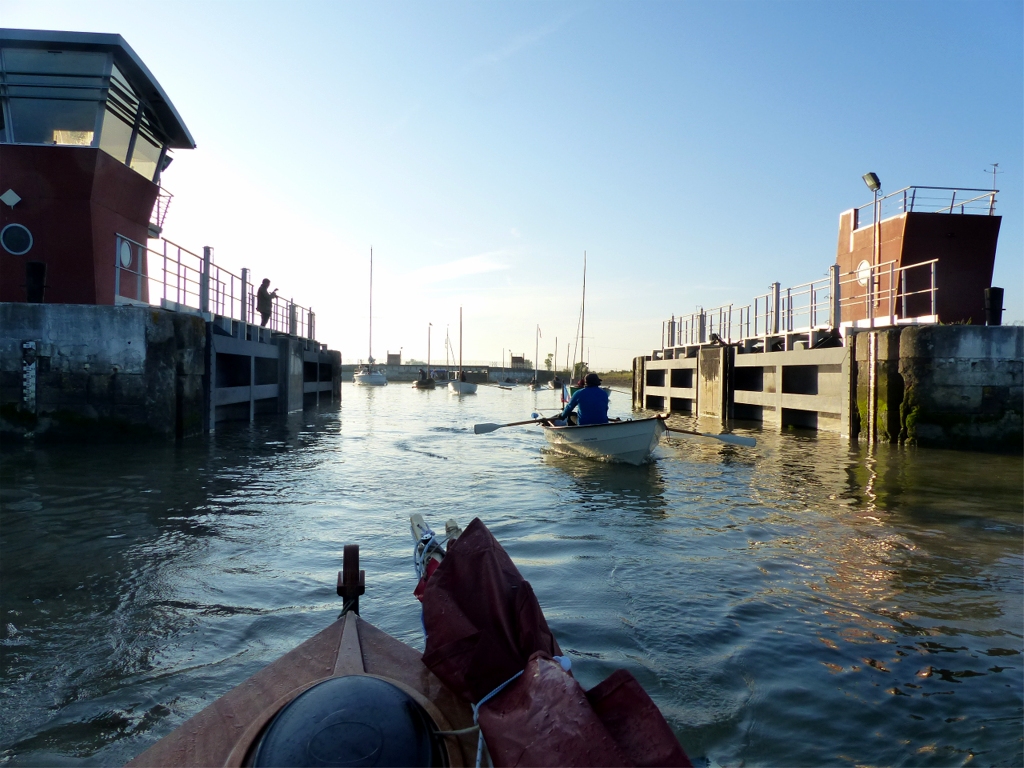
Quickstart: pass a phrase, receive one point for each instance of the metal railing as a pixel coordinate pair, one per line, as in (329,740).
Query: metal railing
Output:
(885,294)
(888,294)
(185,280)
(801,308)
(978,202)
(160,207)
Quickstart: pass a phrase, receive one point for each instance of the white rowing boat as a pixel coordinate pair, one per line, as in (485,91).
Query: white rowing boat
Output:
(462,387)
(628,441)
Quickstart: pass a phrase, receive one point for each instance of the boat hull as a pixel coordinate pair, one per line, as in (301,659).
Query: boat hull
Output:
(630,442)
(375,379)
(462,387)
(424,384)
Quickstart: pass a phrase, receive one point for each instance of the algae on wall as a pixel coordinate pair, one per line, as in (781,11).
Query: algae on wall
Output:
(963,387)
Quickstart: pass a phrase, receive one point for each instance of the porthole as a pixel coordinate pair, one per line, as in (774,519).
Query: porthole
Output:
(864,272)
(16,239)
(126,254)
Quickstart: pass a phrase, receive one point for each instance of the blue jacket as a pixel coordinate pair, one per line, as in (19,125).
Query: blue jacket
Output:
(593,405)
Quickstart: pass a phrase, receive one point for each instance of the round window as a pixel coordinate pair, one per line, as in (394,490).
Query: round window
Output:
(863,272)
(16,239)
(126,254)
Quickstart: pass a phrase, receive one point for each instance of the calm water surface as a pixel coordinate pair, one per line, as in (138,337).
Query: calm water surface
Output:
(802,603)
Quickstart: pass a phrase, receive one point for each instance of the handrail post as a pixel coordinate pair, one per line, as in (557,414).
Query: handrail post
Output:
(165,269)
(204,280)
(903,290)
(892,293)
(293,315)
(311,330)
(117,267)
(244,298)
(835,311)
(933,265)
(776,295)
(703,337)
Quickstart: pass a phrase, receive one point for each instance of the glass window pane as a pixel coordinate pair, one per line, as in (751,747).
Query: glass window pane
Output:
(120,81)
(39,121)
(56,62)
(115,136)
(145,156)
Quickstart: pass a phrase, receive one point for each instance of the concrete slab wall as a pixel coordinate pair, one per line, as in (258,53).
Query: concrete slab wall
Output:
(963,386)
(98,370)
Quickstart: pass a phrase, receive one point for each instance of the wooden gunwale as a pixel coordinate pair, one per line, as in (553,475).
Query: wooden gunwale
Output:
(226,732)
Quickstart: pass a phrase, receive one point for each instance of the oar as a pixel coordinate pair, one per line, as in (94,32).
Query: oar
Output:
(734,439)
(482,429)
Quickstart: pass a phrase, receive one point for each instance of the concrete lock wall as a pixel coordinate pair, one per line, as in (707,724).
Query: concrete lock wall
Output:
(71,369)
(948,386)
(951,386)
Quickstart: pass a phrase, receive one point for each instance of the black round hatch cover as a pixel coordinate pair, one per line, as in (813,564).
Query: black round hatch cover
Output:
(350,721)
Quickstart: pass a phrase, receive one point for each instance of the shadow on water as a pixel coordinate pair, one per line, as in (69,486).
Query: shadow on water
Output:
(101,550)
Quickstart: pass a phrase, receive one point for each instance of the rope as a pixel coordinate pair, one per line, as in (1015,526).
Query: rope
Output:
(476,714)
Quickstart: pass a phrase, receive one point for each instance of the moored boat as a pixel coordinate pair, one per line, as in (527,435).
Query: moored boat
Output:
(459,385)
(462,387)
(369,375)
(630,441)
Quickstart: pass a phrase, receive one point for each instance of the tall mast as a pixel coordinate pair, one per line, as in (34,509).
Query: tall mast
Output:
(536,354)
(429,326)
(371,305)
(583,311)
(460,345)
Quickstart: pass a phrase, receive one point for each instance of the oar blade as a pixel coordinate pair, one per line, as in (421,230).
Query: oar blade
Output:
(483,429)
(749,442)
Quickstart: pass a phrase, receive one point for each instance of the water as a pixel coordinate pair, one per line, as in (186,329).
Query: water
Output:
(800,603)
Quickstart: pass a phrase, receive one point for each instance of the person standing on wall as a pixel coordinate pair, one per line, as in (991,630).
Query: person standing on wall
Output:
(265,302)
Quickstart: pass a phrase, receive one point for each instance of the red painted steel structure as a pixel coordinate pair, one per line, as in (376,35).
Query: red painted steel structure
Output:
(963,241)
(84,134)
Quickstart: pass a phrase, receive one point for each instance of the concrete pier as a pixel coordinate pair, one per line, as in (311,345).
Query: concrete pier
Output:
(86,371)
(956,386)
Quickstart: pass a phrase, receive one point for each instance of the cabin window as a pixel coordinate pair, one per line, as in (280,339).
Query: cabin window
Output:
(75,98)
(53,121)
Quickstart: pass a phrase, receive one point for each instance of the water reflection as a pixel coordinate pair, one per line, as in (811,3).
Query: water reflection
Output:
(804,602)
(592,485)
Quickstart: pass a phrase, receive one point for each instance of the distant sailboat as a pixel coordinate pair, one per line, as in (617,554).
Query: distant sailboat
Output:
(428,381)
(535,384)
(368,375)
(460,386)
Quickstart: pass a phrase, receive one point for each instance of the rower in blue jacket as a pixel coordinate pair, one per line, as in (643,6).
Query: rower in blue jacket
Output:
(592,402)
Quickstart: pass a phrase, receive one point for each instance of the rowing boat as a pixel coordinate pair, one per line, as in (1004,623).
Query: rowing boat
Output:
(491,683)
(630,441)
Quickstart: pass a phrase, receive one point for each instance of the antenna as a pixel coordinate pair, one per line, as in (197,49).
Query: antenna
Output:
(994,171)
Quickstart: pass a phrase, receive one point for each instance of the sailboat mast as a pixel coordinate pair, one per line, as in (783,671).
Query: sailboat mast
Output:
(429,326)
(583,310)
(460,343)
(370,360)
(536,354)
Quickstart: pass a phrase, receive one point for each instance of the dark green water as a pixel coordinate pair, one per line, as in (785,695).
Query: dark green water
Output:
(802,603)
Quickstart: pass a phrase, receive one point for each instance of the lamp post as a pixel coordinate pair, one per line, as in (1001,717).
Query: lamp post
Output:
(871,179)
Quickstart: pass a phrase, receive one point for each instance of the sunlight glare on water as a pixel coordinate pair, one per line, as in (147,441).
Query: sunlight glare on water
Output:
(804,602)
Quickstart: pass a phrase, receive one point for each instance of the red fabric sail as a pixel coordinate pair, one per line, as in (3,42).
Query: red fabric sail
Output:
(484,625)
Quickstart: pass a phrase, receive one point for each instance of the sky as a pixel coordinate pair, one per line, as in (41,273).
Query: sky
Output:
(696,151)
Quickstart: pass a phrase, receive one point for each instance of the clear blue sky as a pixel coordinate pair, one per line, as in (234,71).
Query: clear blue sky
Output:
(698,151)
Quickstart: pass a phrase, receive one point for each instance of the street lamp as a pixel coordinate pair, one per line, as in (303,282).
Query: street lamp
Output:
(871,179)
